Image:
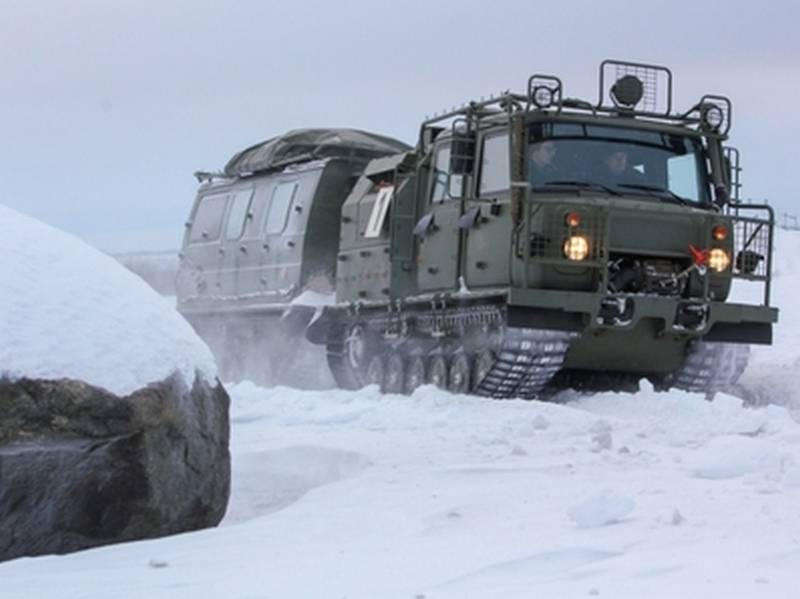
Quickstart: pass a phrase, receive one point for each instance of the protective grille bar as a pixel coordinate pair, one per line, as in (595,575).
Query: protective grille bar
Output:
(753,234)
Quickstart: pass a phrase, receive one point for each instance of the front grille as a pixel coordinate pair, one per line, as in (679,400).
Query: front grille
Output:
(652,276)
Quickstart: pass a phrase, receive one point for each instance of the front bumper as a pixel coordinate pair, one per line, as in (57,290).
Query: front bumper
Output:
(685,318)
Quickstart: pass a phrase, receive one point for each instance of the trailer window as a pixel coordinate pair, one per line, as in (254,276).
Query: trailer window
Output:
(207,221)
(494,175)
(238,214)
(279,207)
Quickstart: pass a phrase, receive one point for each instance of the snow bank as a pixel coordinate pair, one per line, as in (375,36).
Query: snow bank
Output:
(69,311)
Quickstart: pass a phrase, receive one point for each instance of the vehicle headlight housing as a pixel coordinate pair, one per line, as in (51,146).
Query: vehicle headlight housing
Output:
(718,260)
(576,248)
(543,96)
(713,117)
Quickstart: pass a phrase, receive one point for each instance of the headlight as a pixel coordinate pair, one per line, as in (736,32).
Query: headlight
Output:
(713,117)
(718,260)
(576,248)
(543,96)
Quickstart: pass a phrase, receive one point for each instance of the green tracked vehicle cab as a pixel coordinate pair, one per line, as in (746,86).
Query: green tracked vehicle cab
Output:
(534,242)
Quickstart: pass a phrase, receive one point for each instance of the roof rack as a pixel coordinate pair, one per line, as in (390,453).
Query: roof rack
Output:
(628,89)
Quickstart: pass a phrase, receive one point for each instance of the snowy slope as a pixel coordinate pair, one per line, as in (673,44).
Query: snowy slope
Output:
(774,372)
(67,310)
(339,494)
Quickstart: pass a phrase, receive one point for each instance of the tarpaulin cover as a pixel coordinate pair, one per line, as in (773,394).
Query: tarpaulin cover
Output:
(311,144)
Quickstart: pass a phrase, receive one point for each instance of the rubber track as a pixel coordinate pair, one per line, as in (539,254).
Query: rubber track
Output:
(526,361)
(711,367)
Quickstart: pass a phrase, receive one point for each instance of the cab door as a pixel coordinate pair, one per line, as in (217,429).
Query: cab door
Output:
(437,231)
(487,220)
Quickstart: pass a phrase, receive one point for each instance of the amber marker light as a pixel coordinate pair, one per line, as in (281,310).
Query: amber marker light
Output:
(576,248)
(718,260)
(573,219)
(720,232)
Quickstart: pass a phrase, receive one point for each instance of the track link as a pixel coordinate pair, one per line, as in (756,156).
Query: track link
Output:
(710,367)
(526,361)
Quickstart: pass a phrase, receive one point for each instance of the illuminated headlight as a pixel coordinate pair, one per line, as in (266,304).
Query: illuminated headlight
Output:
(718,260)
(576,248)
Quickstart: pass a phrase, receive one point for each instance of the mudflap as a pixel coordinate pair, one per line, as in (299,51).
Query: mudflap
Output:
(319,326)
(295,320)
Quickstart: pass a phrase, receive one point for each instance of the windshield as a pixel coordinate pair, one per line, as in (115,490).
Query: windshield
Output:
(619,160)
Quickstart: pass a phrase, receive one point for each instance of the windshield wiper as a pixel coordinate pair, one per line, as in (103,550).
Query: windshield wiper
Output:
(664,194)
(581,184)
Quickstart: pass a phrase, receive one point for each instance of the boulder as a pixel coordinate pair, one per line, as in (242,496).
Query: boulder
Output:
(81,466)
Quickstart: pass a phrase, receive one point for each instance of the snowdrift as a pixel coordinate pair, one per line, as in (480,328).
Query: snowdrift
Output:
(69,311)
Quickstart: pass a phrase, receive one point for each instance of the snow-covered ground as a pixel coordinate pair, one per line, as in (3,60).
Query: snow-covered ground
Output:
(339,494)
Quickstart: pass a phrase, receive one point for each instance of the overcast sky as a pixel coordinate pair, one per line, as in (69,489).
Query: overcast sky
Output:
(109,107)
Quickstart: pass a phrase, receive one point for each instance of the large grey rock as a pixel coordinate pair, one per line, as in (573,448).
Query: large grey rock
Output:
(81,467)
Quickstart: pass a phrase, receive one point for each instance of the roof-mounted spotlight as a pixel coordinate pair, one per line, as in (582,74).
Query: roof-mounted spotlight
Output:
(543,96)
(544,91)
(627,91)
(713,117)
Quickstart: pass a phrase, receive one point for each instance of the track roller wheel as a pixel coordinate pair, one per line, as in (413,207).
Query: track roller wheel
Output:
(437,371)
(415,373)
(355,347)
(482,365)
(394,377)
(459,374)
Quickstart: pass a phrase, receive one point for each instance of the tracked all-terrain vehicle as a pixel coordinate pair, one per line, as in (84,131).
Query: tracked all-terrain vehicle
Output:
(532,242)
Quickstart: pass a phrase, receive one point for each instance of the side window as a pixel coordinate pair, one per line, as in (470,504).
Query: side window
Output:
(238,214)
(494,175)
(441,168)
(279,207)
(258,208)
(207,221)
(682,176)
(441,165)
(380,209)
